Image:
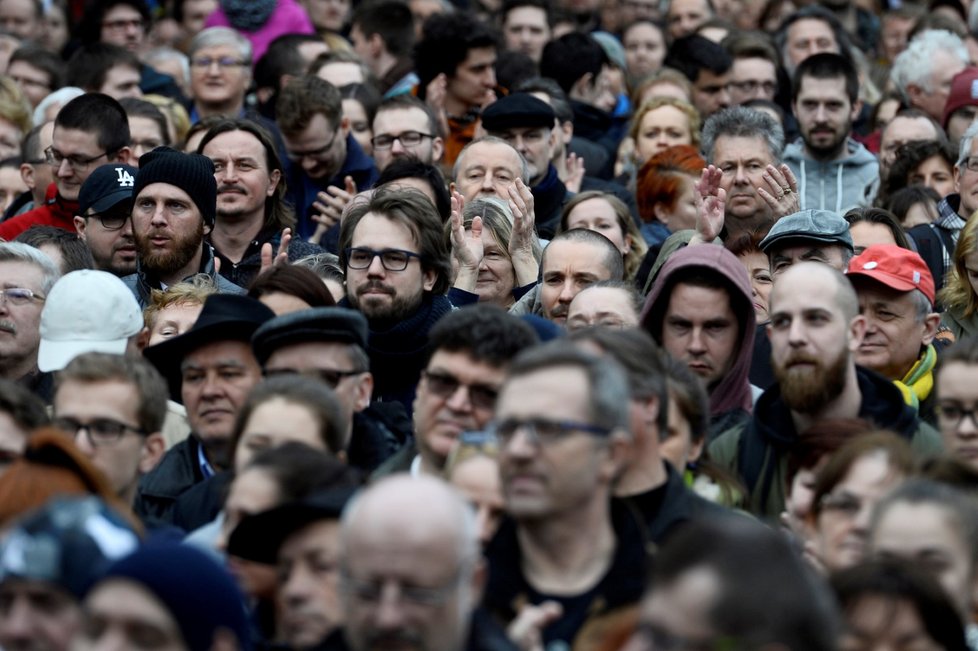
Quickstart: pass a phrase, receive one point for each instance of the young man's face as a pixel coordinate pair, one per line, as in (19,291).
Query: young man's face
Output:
(474,80)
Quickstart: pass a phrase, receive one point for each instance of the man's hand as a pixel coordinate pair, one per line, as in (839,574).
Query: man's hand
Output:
(526,631)
(281,258)
(329,205)
(711,202)
(780,191)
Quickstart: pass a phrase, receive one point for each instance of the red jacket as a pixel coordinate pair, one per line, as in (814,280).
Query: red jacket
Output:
(55,212)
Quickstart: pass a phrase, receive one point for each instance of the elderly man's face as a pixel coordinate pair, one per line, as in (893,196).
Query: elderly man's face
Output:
(488,169)
(895,332)
(20,317)
(742,160)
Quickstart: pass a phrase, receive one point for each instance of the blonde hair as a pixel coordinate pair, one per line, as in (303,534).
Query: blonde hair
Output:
(14,106)
(189,292)
(176,116)
(692,116)
(957,294)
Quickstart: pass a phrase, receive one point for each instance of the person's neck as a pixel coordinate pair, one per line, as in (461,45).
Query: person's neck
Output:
(845,405)
(456,107)
(430,465)
(557,559)
(232,236)
(185,271)
(18,370)
(645,472)
(385,62)
(231,108)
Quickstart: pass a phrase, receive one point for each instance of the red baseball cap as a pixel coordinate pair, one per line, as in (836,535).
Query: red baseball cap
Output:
(964,92)
(895,267)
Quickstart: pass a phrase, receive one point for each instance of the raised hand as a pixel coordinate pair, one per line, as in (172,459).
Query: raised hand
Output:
(780,190)
(711,202)
(281,258)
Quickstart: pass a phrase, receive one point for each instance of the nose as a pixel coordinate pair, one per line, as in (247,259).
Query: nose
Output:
(740,175)
(459,400)
(230,172)
(723,97)
(397,147)
(796,334)
(64,169)
(567,292)
(376,268)
(82,442)
(159,217)
(967,426)
(487,185)
(389,611)
(212,386)
(309,163)
(697,344)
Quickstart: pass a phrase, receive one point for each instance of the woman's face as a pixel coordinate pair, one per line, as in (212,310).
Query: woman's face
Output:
(496,279)
(645,48)
(682,215)
(678,448)
(935,173)
(876,622)
(760,282)
(842,526)
(598,215)
(923,212)
(660,129)
(478,479)
(274,422)
(360,127)
(252,491)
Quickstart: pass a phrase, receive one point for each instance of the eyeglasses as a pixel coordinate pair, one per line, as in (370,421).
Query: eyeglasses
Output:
(543,431)
(752,85)
(971,163)
(372,592)
(315,154)
(19,295)
(101,431)
(954,413)
(392,259)
(330,377)
(119,25)
(111,221)
(407,139)
(222,62)
(54,158)
(443,385)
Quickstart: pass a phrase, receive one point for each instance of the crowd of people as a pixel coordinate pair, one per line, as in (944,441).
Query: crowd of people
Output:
(488,325)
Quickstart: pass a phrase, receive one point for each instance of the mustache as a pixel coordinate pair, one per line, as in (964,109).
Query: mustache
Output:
(231,187)
(560,309)
(374,286)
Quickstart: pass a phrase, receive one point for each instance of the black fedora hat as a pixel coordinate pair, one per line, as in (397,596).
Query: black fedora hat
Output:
(225,317)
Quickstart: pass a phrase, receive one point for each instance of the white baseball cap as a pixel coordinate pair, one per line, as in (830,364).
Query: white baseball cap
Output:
(86,311)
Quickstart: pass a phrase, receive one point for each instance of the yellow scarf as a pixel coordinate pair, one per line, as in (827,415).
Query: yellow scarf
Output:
(919,380)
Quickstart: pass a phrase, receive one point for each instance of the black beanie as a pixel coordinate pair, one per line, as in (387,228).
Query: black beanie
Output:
(192,173)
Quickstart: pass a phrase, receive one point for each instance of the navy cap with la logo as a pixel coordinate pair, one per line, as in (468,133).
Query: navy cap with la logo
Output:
(106,186)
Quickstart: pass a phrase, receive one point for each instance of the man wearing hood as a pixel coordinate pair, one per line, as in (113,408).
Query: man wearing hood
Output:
(834,171)
(700,311)
(815,331)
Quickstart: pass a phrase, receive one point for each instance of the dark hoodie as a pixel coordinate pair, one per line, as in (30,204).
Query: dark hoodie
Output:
(759,452)
(730,398)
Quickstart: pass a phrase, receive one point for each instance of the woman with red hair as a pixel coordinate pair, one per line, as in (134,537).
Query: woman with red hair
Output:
(666,191)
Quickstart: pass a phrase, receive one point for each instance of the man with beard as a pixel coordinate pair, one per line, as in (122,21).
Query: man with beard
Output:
(175,197)
(815,331)
(103,220)
(251,208)
(834,171)
(398,269)
(89,131)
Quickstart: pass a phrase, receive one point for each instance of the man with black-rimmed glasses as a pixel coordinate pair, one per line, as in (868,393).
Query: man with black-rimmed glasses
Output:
(398,270)
(405,126)
(113,407)
(102,222)
(89,131)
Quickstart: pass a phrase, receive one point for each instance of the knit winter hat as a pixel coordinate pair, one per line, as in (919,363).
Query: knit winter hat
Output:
(199,593)
(192,173)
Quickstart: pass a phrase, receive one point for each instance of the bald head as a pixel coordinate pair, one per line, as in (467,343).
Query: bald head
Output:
(802,275)
(411,570)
